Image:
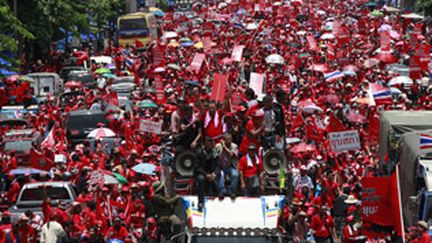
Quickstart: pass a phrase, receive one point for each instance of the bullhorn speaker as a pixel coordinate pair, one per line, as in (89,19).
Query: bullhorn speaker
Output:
(185,163)
(272,160)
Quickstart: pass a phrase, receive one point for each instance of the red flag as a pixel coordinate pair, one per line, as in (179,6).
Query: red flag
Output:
(385,41)
(331,51)
(381,201)
(158,56)
(219,87)
(138,44)
(197,62)
(112,98)
(312,43)
(414,67)
(373,128)
(335,125)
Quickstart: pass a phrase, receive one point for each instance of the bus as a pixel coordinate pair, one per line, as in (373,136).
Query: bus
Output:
(136,26)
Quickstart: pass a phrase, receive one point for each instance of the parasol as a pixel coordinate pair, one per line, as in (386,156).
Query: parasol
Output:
(147,104)
(275,59)
(302,147)
(101,133)
(400,80)
(145,168)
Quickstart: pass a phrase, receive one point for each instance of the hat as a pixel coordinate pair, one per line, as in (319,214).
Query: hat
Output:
(351,200)
(422,224)
(303,167)
(302,213)
(157,186)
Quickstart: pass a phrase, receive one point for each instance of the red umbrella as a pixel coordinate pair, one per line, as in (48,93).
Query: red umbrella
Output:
(73,84)
(386,58)
(302,147)
(12,78)
(355,117)
(319,68)
(353,68)
(371,62)
(332,98)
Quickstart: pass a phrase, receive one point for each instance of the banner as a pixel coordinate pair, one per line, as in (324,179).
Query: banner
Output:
(343,141)
(256,82)
(424,53)
(219,87)
(237,53)
(197,62)
(151,126)
(159,89)
(312,43)
(414,67)
(385,41)
(158,56)
(381,201)
(235,101)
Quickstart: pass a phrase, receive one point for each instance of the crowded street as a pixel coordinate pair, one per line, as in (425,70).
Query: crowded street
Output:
(215,121)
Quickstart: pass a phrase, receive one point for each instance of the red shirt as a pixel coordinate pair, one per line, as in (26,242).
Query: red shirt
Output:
(424,238)
(211,130)
(321,228)
(349,232)
(27,234)
(250,126)
(252,170)
(120,234)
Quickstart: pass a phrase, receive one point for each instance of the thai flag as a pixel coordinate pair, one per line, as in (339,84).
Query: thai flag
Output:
(330,77)
(381,95)
(425,141)
(129,62)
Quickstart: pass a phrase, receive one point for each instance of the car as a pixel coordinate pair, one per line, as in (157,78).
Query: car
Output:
(124,89)
(81,122)
(46,84)
(66,70)
(21,142)
(84,77)
(32,195)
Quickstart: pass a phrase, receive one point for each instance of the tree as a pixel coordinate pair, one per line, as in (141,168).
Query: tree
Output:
(425,6)
(10,29)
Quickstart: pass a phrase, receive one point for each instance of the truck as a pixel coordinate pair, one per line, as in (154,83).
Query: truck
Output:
(415,179)
(399,138)
(31,197)
(245,219)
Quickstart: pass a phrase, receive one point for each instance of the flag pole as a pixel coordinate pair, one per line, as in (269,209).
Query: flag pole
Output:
(400,204)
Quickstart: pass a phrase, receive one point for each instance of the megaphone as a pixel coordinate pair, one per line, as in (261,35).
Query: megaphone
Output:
(272,160)
(185,163)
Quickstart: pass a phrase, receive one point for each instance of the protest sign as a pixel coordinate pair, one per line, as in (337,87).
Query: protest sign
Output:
(237,53)
(151,126)
(345,140)
(197,62)
(256,82)
(219,87)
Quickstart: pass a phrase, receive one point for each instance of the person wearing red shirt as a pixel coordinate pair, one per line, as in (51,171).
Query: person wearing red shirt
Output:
(349,231)
(117,231)
(251,172)
(26,232)
(254,128)
(422,229)
(322,226)
(12,193)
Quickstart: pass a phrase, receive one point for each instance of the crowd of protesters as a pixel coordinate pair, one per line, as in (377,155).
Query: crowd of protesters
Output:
(297,109)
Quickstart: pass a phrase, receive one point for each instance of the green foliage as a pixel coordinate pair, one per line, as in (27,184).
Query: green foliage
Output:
(424,6)
(10,29)
(103,10)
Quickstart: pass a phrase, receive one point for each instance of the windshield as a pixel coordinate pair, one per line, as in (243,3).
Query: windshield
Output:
(78,122)
(233,239)
(428,211)
(133,24)
(19,146)
(36,194)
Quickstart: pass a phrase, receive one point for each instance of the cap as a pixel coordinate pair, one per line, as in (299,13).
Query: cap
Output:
(423,224)
(351,200)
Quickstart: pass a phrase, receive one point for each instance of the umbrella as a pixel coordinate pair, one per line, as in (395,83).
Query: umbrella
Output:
(109,75)
(110,66)
(377,13)
(371,62)
(302,147)
(25,79)
(26,170)
(349,73)
(145,168)
(187,43)
(199,45)
(275,59)
(391,9)
(192,82)
(332,98)
(147,104)
(102,70)
(110,179)
(12,78)
(174,66)
(384,28)
(327,36)
(120,178)
(101,133)
(185,39)
(393,34)
(159,70)
(355,117)
(350,68)
(386,57)
(318,68)
(292,140)
(169,34)
(412,16)
(400,80)
(173,43)
(394,90)
(251,26)
(308,106)
(73,84)
(157,12)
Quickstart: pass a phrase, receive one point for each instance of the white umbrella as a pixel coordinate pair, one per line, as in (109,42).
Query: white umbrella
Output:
(159,70)
(251,26)
(400,80)
(101,133)
(110,180)
(301,32)
(170,34)
(394,90)
(412,16)
(327,36)
(384,28)
(275,59)
(222,5)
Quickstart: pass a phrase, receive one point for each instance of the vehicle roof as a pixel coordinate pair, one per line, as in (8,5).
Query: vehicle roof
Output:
(85,112)
(43,74)
(136,15)
(16,132)
(49,183)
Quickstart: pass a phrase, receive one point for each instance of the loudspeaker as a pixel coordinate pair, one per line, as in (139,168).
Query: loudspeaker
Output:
(272,160)
(185,163)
